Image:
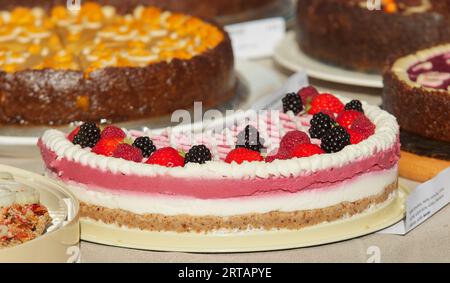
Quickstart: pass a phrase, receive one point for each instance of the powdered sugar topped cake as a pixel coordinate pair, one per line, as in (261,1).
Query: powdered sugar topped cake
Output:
(322,159)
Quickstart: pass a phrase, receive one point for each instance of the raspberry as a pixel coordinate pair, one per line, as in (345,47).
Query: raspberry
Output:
(280,155)
(198,154)
(326,101)
(320,124)
(354,105)
(240,155)
(249,138)
(306,150)
(335,140)
(347,118)
(307,94)
(88,135)
(128,152)
(293,138)
(363,126)
(168,157)
(355,137)
(107,146)
(113,132)
(292,102)
(145,145)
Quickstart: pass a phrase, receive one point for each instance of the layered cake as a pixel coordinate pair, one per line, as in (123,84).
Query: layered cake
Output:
(321,159)
(61,66)
(356,35)
(22,217)
(417,91)
(202,8)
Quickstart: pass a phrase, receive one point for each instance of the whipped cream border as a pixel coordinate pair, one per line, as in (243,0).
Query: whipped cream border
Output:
(385,137)
(401,66)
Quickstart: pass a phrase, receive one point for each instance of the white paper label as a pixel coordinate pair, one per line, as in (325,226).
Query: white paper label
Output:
(256,39)
(423,202)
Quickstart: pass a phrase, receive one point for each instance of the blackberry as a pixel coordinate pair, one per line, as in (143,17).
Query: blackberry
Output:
(145,144)
(354,105)
(198,154)
(249,138)
(292,102)
(335,139)
(88,135)
(320,124)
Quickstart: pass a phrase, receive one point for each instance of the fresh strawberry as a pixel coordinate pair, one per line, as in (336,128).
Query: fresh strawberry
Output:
(355,137)
(324,102)
(240,155)
(306,150)
(107,146)
(293,138)
(280,155)
(128,152)
(347,118)
(113,132)
(308,94)
(168,157)
(73,133)
(363,126)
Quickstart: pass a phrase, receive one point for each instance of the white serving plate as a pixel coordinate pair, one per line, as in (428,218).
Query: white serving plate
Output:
(256,82)
(61,241)
(291,57)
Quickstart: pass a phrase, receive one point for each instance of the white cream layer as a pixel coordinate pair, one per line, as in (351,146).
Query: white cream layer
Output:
(364,186)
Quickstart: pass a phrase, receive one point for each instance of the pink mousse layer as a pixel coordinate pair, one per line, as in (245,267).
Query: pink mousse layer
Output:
(214,188)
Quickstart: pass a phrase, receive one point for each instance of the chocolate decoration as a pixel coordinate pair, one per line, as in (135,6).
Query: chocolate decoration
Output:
(425,147)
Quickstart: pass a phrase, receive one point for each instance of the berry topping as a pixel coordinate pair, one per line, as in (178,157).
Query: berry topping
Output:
(335,139)
(106,146)
(128,152)
(347,118)
(292,102)
(249,138)
(306,150)
(293,138)
(240,155)
(198,154)
(308,94)
(168,157)
(73,134)
(88,135)
(354,105)
(280,155)
(320,124)
(145,145)
(363,126)
(326,101)
(113,132)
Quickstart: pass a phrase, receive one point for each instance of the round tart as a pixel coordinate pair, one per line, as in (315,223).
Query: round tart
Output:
(63,66)
(417,92)
(273,173)
(348,34)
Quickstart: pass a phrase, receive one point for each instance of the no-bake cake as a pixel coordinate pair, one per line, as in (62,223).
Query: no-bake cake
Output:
(323,158)
(202,8)
(349,34)
(62,66)
(22,217)
(417,92)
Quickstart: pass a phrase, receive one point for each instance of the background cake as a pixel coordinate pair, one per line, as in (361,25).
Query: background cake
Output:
(346,33)
(202,8)
(283,171)
(417,92)
(57,67)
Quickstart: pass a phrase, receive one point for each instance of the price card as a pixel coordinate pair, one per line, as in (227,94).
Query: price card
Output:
(256,39)
(423,202)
